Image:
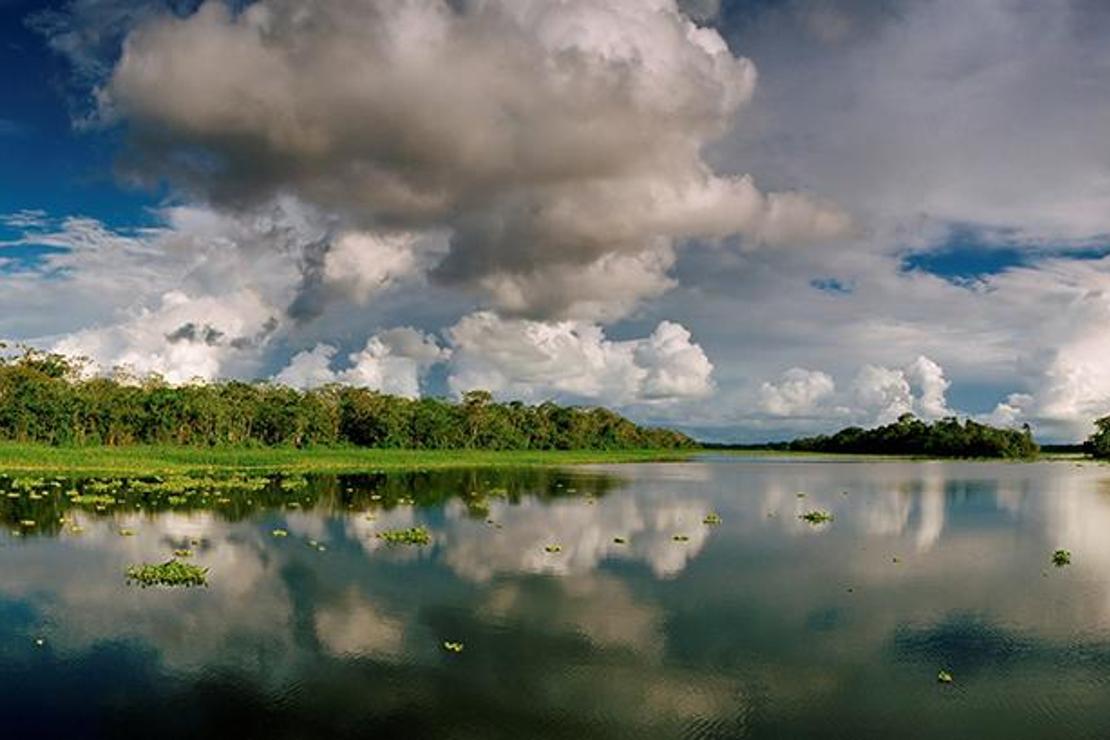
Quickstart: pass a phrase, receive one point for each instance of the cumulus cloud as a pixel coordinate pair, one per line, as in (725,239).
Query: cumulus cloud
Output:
(537,360)
(798,393)
(166,340)
(929,377)
(546,137)
(392,361)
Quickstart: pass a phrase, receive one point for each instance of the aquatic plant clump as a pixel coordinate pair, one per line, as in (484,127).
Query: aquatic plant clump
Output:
(411,536)
(816,517)
(170,573)
(1060,558)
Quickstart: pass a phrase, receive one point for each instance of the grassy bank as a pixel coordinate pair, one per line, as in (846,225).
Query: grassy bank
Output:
(149,460)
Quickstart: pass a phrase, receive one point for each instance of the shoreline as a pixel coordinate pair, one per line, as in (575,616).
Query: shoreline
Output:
(153,460)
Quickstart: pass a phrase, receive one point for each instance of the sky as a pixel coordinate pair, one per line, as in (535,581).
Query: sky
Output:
(747,219)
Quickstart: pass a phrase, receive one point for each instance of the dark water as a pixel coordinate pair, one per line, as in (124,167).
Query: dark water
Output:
(761,626)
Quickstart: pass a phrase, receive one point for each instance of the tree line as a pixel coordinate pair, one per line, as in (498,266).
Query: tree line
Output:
(44,397)
(1098,444)
(948,437)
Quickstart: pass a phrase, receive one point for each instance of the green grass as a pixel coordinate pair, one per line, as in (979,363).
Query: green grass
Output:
(148,460)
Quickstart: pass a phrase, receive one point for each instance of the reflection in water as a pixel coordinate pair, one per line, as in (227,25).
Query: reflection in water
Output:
(763,625)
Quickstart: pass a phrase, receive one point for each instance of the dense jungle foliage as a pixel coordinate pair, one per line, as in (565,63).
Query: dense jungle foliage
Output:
(45,398)
(1098,444)
(911,436)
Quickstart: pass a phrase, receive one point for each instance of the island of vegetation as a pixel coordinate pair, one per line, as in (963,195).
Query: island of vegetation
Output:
(948,437)
(1098,444)
(53,414)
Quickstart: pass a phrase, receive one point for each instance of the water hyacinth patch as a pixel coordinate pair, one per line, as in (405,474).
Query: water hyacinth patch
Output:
(170,573)
(412,536)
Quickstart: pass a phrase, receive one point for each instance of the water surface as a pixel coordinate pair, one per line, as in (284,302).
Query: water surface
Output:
(761,626)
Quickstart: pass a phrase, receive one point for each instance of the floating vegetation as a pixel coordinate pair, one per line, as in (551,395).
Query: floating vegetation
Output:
(170,573)
(453,647)
(125,532)
(620,540)
(944,676)
(553,548)
(816,516)
(1060,558)
(681,538)
(712,518)
(279,533)
(800,494)
(93,499)
(183,553)
(410,536)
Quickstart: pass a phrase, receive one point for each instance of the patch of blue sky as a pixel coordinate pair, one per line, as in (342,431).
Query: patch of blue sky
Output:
(970,254)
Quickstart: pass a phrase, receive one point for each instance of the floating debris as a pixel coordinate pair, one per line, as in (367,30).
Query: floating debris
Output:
(712,518)
(411,536)
(944,677)
(39,642)
(279,533)
(553,548)
(183,553)
(170,573)
(453,647)
(680,538)
(28,523)
(816,516)
(125,532)
(1060,558)
(620,540)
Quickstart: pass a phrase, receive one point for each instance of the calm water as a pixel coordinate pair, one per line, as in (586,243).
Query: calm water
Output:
(761,626)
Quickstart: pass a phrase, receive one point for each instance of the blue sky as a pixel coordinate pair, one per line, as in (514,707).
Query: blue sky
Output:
(776,218)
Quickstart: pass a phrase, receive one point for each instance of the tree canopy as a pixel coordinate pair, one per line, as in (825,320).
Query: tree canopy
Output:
(45,398)
(1098,444)
(948,437)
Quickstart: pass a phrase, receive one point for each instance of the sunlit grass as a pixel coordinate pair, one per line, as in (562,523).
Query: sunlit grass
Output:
(151,460)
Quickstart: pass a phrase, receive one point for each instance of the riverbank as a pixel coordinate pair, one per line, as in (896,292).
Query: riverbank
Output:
(152,460)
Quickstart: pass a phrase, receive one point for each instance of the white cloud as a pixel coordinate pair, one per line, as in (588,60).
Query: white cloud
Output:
(548,138)
(798,393)
(929,377)
(182,338)
(566,359)
(392,361)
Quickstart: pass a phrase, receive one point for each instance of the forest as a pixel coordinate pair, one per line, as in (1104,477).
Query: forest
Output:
(909,435)
(1098,444)
(46,398)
